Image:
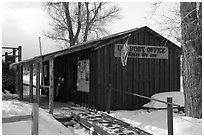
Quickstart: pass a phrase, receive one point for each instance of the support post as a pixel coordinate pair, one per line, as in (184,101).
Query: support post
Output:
(31,83)
(51,85)
(170,116)
(35,119)
(20,81)
(38,83)
(19,53)
(109,99)
(42,75)
(15,73)
(14,54)
(6,55)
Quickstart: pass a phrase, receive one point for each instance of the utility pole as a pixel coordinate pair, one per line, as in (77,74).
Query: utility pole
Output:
(40,46)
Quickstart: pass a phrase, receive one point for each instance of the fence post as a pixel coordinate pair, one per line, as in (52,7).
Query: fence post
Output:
(14,54)
(170,116)
(35,119)
(31,83)
(109,99)
(19,53)
(20,81)
(38,83)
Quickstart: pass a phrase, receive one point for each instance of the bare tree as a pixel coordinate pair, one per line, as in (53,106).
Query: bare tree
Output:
(191,30)
(75,22)
(169,24)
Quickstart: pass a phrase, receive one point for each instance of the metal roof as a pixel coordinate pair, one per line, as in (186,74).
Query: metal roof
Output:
(89,44)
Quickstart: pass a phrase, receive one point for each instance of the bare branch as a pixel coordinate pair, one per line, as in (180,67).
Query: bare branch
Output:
(78,22)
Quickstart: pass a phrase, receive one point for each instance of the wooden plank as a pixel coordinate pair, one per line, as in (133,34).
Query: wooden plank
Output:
(35,119)
(100,75)
(31,83)
(8,48)
(146,69)
(88,125)
(171,71)
(178,72)
(108,98)
(166,65)
(51,82)
(136,75)
(157,75)
(162,78)
(38,83)
(112,72)
(91,81)
(124,124)
(151,67)
(16,118)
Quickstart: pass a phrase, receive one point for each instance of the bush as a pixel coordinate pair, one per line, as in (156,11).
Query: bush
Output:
(7,78)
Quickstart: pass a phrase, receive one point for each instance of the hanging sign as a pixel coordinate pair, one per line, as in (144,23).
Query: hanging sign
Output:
(83,75)
(143,51)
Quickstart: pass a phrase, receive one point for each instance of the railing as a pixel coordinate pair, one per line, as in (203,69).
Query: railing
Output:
(34,117)
(12,58)
(168,103)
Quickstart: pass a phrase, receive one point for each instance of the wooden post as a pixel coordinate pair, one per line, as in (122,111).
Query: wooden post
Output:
(6,54)
(14,54)
(38,83)
(19,53)
(35,119)
(20,81)
(109,99)
(170,116)
(42,75)
(51,86)
(16,80)
(31,83)
(15,73)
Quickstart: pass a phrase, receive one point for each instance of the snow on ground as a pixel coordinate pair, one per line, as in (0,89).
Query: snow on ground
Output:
(178,98)
(155,122)
(47,124)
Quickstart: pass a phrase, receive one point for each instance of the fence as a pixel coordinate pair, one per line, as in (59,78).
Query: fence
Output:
(168,103)
(34,117)
(12,55)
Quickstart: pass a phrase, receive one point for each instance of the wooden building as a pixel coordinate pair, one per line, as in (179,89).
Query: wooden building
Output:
(91,73)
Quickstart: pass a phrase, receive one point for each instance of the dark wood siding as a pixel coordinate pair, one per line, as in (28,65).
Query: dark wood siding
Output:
(141,76)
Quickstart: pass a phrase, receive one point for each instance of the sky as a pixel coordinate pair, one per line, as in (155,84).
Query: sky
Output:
(24,22)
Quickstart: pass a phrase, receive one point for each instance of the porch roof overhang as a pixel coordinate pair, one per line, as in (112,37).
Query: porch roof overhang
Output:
(95,44)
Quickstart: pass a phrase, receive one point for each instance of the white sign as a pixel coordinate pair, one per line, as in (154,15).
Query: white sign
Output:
(143,51)
(83,76)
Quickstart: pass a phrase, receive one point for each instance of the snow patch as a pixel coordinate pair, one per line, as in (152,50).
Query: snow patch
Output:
(178,98)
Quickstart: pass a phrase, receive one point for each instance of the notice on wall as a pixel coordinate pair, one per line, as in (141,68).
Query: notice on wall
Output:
(143,51)
(83,76)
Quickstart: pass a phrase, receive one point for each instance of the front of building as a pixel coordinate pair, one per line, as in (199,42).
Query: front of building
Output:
(92,72)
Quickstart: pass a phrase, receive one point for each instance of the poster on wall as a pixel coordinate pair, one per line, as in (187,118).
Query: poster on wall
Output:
(83,75)
(144,51)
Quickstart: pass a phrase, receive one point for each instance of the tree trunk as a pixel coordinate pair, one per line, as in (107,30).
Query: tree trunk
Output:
(86,31)
(191,30)
(69,23)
